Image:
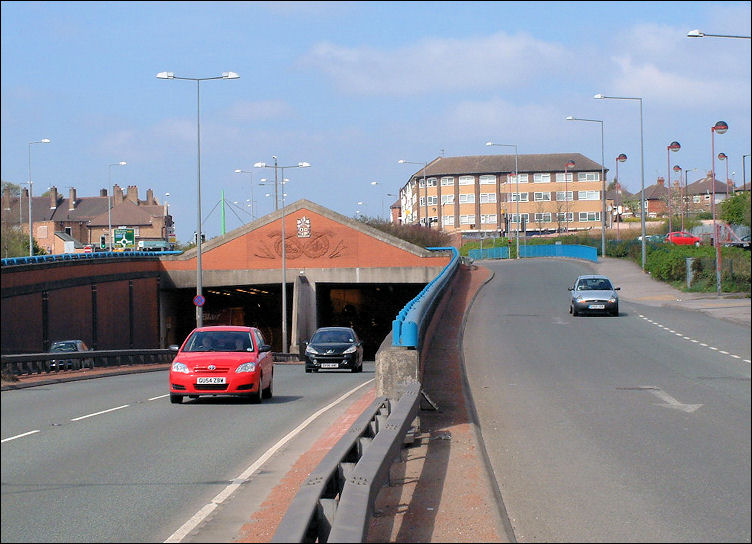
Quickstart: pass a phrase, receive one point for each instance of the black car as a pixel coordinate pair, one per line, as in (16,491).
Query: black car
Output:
(334,348)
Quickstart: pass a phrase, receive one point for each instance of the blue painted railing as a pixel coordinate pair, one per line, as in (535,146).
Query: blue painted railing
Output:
(36,259)
(500,252)
(408,327)
(560,250)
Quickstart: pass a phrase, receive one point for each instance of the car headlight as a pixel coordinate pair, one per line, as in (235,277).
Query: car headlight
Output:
(351,349)
(180,367)
(246,367)
(579,298)
(311,350)
(612,299)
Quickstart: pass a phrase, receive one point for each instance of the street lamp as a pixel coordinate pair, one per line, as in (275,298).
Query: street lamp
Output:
(673,146)
(720,127)
(621,158)
(570,164)
(744,169)
(642,169)
(253,212)
(723,157)
(109,201)
(678,170)
(31,183)
(374,184)
(284,347)
(166,214)
(603,185)
(517,181)
(698,34)
(199,278)
(425,183)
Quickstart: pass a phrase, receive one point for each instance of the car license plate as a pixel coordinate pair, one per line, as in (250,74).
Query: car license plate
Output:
(597,307)
(200,381)
(329,365)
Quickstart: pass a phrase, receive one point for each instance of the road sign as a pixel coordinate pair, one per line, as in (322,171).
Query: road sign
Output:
(124,239)
(199,300)
(88,249)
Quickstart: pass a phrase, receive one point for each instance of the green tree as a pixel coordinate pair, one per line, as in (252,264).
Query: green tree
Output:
(736,210)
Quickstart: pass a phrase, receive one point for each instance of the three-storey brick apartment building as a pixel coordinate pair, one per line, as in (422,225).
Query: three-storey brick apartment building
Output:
(480,193)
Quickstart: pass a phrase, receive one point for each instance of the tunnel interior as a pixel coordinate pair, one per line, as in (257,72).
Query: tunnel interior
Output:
(368,308)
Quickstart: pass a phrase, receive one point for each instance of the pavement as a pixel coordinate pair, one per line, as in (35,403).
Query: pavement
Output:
(441,488)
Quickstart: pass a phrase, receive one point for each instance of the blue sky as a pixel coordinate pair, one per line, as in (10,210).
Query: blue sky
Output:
(352,87)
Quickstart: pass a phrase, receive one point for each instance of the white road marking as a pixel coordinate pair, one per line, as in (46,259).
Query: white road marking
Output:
(18,436)
(671,402)
(100,413)
(159,397)
(199,516)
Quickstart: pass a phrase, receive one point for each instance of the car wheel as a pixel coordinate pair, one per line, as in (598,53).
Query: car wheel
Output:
(575,312)
(615,313)
(258,396)
(268,392)
(176,399)
(308,370)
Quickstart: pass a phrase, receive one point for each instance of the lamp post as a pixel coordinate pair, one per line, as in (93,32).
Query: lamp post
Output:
(284,347)
(642,168)
(166,214)
(603,185)
(720,127)
(199,273)
(685,205)
(621,158)
(698,34)
(678,170)
(673,146)
(425,183)
(517,189)
(109,201)
(31,183)
(570,164)
(744,169)
(253,202)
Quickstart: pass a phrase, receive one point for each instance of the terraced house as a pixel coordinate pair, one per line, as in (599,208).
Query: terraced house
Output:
(480,194)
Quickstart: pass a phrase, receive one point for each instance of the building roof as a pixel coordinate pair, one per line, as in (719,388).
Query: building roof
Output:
(705,186)
(495,164)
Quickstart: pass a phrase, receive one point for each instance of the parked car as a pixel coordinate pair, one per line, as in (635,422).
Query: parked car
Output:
(222,360)
(682,238)
(593,293)
(70,346)
(333,348)
(742,242)
(655,238)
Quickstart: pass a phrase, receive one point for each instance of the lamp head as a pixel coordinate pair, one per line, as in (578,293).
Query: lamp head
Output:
(303,164)
(260,165)
(238,171)
(621,158)
(230,75)
(489,143)
(374,183)
(695,34)
(401,161)
(569,118)
(570,164)
(599,96)
(166,75)
(122,163)
(720,127)
(674,146)
(45,140)
(722,156)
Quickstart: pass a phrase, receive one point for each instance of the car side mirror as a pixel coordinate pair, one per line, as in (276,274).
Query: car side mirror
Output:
(617,288)
(570,288)
(174,347)
(264,347)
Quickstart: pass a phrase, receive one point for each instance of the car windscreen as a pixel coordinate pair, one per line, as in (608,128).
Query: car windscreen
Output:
(63,346)
(219,341)
(333,337)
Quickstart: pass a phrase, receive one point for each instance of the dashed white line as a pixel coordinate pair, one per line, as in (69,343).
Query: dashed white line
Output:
(159,397)
(100,413)
(18,436)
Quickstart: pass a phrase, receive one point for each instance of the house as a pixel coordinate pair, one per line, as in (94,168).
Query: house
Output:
(57,221)
(699,194)
(481,194)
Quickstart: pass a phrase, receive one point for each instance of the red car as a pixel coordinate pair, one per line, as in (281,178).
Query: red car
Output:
(683,239)
(222,360)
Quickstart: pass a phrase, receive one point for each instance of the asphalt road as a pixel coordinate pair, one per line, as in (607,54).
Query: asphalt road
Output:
(609,429)
(111,460)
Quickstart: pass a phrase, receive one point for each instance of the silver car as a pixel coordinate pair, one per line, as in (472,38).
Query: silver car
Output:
(593,293)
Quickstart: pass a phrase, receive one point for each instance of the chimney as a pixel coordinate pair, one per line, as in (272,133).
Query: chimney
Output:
(117,195)
(133,194)
(150,197)
(53,198)
(6,198)
(72,203)
(661,181)
(103,192)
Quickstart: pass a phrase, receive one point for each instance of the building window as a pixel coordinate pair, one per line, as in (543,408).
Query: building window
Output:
(541,197)
(488,180)
(467,198)
(467,180)
(588,176)
(522,197)
(467,219)
(488,219)
(486,198)
(448,220)
(696,199)
(566,217)
(447,181)
(68,231)
(588,195)
(422,183)
(432,200)
(523,178)
(562,196)
(543,217)
(42,231)
(432,182)
(590,216)
(560,177)
(514,219)
(541,178)
(447,199)
(422,201)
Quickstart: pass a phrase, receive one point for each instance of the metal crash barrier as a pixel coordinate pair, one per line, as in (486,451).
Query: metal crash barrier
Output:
(39,363)
(336,501)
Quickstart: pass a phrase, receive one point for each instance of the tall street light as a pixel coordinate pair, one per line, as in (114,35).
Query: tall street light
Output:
(723,157)
(109,201)
(31,183)
(425,183)
(678,170)
(720,127)
(276,167)
(642,169)
(253,202)
(570,164)
(517,181)
(698,34)
(744,169)
(673,146)
(199,276)
(621,158)
(603,185)
(684,193)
